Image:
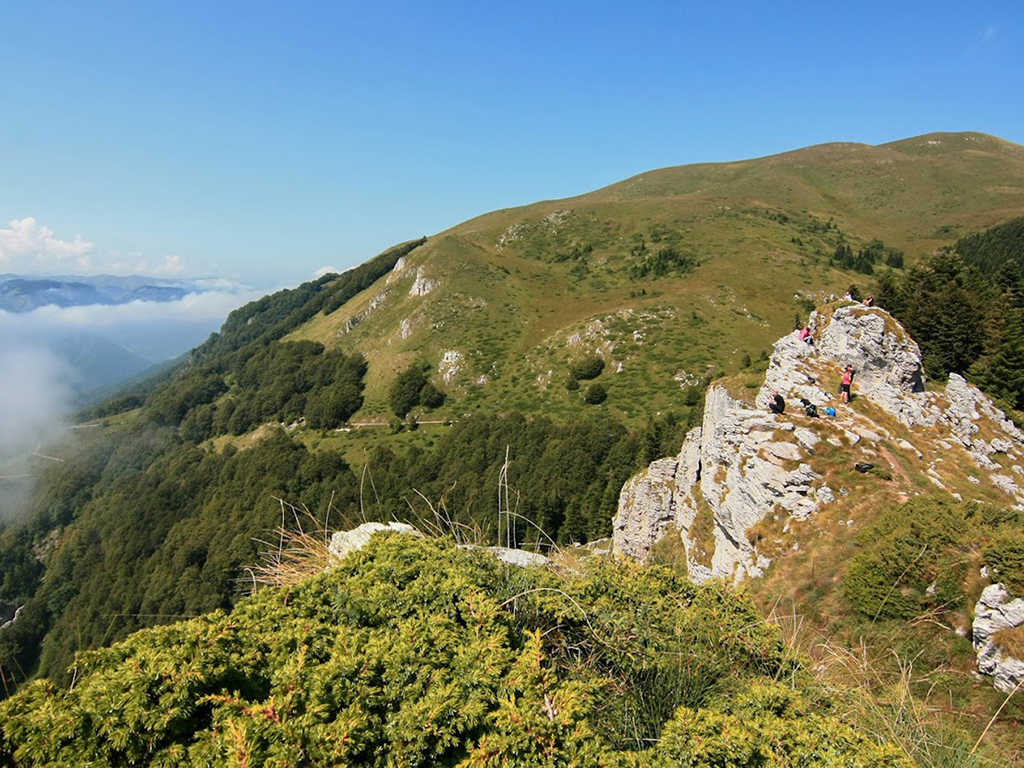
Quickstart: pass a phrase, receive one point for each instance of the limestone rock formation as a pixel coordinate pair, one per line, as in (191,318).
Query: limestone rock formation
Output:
(967,406)
(422,285)
(450,365)
(375,303)
(647,506)
(994,613)
(397,271)
(518,557)
(733,467)
(887,361)
(745,464)
(344,543)
(8,614)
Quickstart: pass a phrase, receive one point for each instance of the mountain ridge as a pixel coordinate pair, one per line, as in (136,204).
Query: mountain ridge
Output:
(571,344)
(507,289)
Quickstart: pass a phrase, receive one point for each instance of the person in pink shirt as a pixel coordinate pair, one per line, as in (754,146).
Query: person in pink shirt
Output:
(844,387)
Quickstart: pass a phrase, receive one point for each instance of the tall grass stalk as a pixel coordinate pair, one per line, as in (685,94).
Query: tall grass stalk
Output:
(877,694)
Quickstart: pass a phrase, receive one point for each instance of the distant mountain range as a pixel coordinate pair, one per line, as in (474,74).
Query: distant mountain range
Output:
(103,354)
(97,362)
(23,293)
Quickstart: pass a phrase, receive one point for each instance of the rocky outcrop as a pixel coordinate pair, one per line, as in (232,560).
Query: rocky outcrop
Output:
(966,408)
(344,543)
(995,613)
(647,506)
(518,557)
(375,303)
(734,467)
(422,285)
(8,614)
(450,365)
(887,364)
(886,360)
(746,464)
(745,477)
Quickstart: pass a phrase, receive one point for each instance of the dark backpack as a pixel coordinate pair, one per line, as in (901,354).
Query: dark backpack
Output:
(811,410)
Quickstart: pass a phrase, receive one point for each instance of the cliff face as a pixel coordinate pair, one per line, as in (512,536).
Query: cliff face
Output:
(744,462)
(745,466)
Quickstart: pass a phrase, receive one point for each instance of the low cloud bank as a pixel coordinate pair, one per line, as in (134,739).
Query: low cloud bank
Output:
(35,400)
(209,305)
(156,331)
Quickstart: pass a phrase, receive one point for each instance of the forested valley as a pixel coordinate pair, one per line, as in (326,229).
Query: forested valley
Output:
(145,525)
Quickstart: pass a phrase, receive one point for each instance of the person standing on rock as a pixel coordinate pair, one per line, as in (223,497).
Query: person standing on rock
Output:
(844,387)
(776,404)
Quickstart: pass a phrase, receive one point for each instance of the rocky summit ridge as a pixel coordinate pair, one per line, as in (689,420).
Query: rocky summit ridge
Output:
(747,470)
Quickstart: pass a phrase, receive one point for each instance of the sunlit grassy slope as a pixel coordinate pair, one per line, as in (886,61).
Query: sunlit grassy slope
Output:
(518,293)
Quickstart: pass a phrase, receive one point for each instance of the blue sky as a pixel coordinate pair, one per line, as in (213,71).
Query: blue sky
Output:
(260,142)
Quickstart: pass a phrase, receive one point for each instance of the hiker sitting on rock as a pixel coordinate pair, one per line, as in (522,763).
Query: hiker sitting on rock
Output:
(806,335)
(844,387)
(776,404)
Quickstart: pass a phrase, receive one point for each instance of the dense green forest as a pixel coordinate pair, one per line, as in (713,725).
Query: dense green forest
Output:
(965,307)
(163,528)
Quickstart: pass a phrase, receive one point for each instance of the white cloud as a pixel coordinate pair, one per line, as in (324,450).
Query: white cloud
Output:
(28,242)
(34,397)
(210,305)
(988,34)
(172,266)
(31,248)
(326,271)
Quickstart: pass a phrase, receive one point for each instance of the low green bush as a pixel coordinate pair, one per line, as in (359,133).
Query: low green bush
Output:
(915,557)
(587,368)
(595,394)
(1004,556)
(415,653)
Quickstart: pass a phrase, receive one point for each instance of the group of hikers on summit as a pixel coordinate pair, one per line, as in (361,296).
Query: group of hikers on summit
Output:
(778,405)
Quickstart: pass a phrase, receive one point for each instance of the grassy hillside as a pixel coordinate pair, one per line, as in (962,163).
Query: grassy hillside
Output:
(675,274)
(669,279)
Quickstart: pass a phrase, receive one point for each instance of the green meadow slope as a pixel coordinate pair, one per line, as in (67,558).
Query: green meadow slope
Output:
(671,276)
(668,279)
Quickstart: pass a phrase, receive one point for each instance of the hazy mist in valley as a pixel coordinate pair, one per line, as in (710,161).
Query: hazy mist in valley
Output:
(36,398)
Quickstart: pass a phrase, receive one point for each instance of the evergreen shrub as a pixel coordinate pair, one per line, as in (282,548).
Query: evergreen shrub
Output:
(595,394)
(915,556)
(587,368)
(418,653)
(1004,556)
